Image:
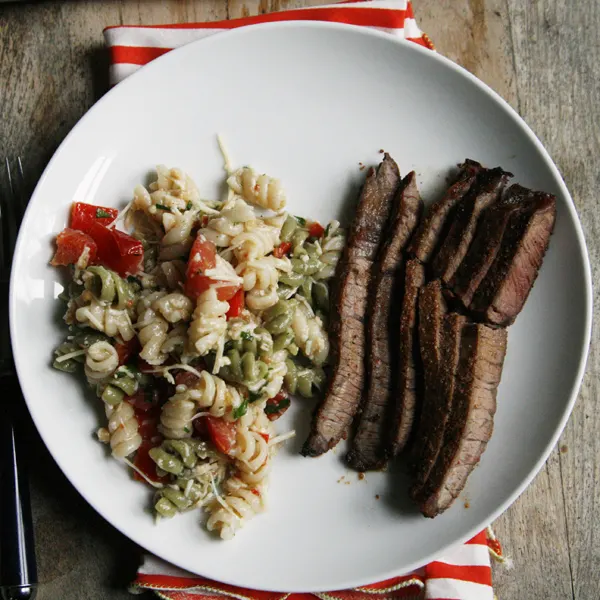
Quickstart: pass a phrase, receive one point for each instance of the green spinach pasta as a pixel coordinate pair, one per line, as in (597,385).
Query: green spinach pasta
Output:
(192,327)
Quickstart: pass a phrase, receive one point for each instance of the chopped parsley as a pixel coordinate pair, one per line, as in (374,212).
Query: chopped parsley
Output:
(271,409)
(241,410)
(186,429)
(162,207)
(245,335)
(301,221)
(102,214)
(189,206)
(132,279)
(327,230)
(253,397)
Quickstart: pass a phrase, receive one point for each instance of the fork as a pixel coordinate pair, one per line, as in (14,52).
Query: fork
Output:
(18,578)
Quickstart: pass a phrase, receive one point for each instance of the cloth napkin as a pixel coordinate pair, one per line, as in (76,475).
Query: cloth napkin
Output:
(464,573)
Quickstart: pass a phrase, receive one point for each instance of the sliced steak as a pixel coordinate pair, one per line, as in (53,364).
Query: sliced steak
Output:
(506,286)
(471,421)
(486,244)
(383,327)
(430,233)
(336,411)
(409,390)
(486,190)
(431,313)
(438,399)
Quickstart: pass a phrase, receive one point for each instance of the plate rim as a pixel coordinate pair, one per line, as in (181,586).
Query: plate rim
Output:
(408,46)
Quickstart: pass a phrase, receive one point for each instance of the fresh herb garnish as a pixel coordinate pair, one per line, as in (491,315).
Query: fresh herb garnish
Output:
(327,230)
(245,335)
(253,397)
(241,410)
(271,409)
(162,207)
(189,206)
(102,214)
(186,429)
(132,279)
(301,221)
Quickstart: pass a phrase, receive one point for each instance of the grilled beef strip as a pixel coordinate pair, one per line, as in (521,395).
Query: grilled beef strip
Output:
(506,286)
(409,390)
(383,327)
(432,310)
(430,232)
(485,246)
(347,335)
(486,190)
(438,399)
(471,422)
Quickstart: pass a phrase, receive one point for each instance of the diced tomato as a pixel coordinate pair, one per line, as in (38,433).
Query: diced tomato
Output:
(117,250)
(83,215)
(69,246)
(145,464)
(186,378)
(276,406)
(203,255)
(316,230)
(282,249)
(144,400)
(236,305)
(255,492)
(126,349)
(197,284)
(264,436)
(220,432)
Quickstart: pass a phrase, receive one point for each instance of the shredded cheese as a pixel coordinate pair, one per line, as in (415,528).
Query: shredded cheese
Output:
(69,355)
(226,159)
(282,438)
(154,484)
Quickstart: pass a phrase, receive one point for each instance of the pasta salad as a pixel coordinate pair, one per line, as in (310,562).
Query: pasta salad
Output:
(193,325)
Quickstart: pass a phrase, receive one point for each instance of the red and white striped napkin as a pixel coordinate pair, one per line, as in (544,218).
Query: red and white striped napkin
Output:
(465,572)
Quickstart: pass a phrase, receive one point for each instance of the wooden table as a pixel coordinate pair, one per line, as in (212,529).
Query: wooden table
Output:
(543,56)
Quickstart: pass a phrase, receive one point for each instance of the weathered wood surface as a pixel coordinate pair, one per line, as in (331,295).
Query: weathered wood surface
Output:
(543,56)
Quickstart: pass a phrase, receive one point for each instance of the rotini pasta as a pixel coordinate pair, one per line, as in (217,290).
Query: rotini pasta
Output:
(198,347)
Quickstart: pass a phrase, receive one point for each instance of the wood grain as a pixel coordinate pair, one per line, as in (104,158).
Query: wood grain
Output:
(543,56)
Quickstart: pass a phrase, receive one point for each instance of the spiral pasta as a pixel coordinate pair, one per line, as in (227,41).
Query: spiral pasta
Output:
(174,307)
(262,190)
(208,326)
(101,361)
(310,336)
(257,240)
(111,321)
(108,287)
(262,273)
(152,333)
(176,417)
(212,393)
(123,429)
(240,503)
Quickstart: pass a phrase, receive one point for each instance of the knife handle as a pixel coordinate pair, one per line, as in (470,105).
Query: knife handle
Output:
(18,573)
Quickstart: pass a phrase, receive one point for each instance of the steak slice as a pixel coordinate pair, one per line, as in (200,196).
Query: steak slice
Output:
(336,411)
(432,311)
(486,244)
(430,232)
(383,325)
(485,191)
(471,421)
(409,392)
(506,286)
(438,399)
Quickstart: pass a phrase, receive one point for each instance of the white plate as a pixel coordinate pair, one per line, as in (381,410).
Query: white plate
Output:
(306,102)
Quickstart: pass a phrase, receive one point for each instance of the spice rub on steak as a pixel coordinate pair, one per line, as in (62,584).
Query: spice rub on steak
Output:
(409,389)
(383,328)
(486,244)
(487,188)
(471,421)
(502,293)
(347,333)
(430,232)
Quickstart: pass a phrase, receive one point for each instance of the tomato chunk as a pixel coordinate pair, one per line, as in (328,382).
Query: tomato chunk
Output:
(316,230)
(186,378)
(196,284)
(144,400)
(236,304)
(220,432)
(276,406)
(126,349)
(83,215)
(145,464)
(282,249)
(117,250)
(69,246)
